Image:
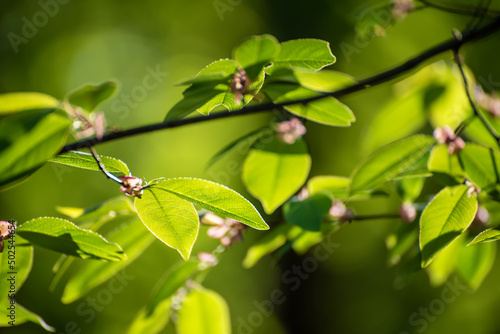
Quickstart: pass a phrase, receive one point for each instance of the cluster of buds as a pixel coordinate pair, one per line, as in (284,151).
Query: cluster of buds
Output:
(482,217)
(207,259)
(408,212)
(86,125)
(290,131)
(490,103)
(6,230)
(445,135)
(239,85)
(401,8)
(338,210)
(226,230)
(131,186)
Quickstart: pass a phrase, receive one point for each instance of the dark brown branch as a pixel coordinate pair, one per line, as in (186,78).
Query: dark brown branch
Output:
(491,14)
(379,216)
(102,168)
(388,75)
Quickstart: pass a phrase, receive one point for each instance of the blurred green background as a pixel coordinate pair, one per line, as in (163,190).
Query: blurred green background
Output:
(352,291)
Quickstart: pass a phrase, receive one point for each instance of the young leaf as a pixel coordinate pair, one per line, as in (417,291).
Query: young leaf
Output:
(257,50)
(90,96)
(444,219)
(303,55)
(65,237)
(409,189)
(153,323)
(273,240)
(481,164)
(389,161)
(441,162)
(324,81)
(204,312)
(219,71)
(28,140)
(488,235)
(337,186)
(86,161)
(214,197)
(243,144)
(133,238)
(328,111)
(400,242)
(104,212)
(445,264)
(14,102)
(308,213)
(475,262)
(274,171)
(170,218)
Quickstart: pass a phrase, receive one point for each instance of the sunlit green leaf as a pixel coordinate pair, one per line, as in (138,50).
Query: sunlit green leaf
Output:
(488,235)
(337,186)
(86,161)
(328,111)
(203,312)
(132,237)
(409,189)
(15,102)
(401,241)
(475,262)
(65,237)
(90,96)
(273,240)
(445,264)
(481,164)
(21,264)
(274,171)
(444,219)
(324,80)
(214,197)
(304,55)
(389,161)
(170,218)
(218,71)
(22,316)
(256,50)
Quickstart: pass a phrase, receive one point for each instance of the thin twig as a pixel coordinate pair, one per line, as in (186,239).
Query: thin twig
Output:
(383,77)
(379,216)
(102,168)
(491,14)
(477,113)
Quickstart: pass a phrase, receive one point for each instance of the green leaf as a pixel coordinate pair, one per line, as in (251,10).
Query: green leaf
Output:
(324,81)
(14,102)
(28,140)
(170,218)
(406,114)
(22,316)
(303,241)
(94,216)
(337,186)
(65,237)
(218,71)
(154,317)
(86,161)
(328,110)
(481,164)
(303,55)
(133,238)
(272,241)
(204,312)
(256,50)
(488,235)
(21,264)
(409,189)
(274,171)
(443,266)
(389,161)
(308,213)
(477,132)
(401,241)
(475,263)
(90,96)
(214,197)
(242,143)
(444,219)
(441,162)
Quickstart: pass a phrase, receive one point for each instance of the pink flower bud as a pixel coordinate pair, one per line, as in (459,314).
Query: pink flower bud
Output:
(211,218)
(482,216)
(131,186)
(408,212)
(207,258)
(217,232)
(338,209)
(290,131)
(401,8)
(239,85)
(6,229)
(472,188)
(444,134)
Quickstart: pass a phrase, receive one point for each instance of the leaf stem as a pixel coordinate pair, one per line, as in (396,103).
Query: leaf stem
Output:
(376,216)
(101,166)
(395,72)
